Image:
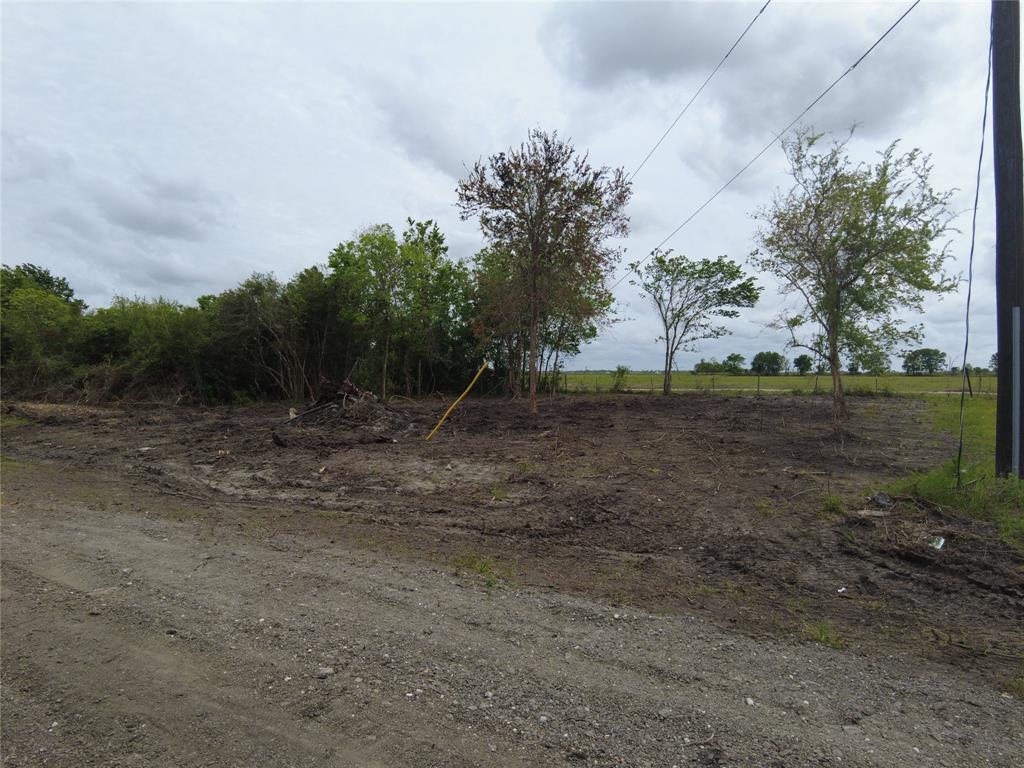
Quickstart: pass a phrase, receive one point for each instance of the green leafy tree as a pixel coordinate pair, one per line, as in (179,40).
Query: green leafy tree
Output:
(708,366)
(689,296)
(803,364)
(12,278)
(374,262)
(23,276)
(733,363)
(409,302)
(993,362)
(924,360)
(434,340)
(854,243)
(768,364)
(872,360)
(551,214)
(38,330)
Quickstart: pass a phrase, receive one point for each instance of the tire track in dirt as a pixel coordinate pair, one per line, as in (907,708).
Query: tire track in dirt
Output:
(415,653)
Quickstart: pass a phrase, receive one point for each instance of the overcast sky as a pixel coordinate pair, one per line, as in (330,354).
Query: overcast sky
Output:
(172,149)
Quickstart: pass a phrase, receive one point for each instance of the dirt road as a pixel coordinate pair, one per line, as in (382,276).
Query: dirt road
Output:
(139,633)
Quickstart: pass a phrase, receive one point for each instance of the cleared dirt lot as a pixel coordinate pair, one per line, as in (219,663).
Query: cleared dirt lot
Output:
(613,583)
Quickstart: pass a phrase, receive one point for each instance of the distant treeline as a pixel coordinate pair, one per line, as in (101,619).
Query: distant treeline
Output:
(395,314)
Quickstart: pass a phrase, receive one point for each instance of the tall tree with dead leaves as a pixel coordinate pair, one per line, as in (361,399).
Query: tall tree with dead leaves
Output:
(855,244)
(553,213)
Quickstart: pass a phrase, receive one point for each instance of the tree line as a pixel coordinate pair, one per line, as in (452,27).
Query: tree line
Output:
(916,362)
(394,314)
(850,243)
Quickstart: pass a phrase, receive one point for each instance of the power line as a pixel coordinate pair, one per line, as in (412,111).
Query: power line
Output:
(695,95)
(778,136)
(970,265)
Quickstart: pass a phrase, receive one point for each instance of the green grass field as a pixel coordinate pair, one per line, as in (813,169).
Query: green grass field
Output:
(686,381)
(980,494)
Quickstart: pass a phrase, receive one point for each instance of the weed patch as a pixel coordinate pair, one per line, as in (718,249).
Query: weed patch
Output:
(981,495)
(9,421)
(832,505)
(822,632)
(471,562)
(1015,686)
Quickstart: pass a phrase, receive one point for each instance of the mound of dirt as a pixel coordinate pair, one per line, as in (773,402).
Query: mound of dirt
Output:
(344,415)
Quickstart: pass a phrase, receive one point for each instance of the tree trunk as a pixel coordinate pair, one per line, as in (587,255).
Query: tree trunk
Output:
(384,368)
(407,373)
(514,366)
(666,381)
(534,332)
(839,410)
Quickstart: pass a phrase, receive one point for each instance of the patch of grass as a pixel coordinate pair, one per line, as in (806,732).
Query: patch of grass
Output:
(9,420)
(328,514)
(701,590)
(733,591)
(862,384)
(1014,686)
(524,467)
(832,505)
(472,562)
(8,464)
(366,542)
(765,508)
(499,492)
(822,632)
(981,494)
(796,604)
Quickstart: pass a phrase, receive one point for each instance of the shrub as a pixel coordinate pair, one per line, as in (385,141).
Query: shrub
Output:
(619,376)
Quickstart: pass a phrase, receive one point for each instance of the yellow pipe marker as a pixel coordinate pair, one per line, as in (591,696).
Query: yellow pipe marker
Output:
(452,406)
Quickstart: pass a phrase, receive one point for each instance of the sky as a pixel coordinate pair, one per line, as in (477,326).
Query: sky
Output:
(172,149)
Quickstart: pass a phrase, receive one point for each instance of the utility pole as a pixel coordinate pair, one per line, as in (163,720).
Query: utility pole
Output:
(1009,185)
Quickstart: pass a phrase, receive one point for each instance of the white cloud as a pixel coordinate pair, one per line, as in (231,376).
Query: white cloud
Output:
(172,149)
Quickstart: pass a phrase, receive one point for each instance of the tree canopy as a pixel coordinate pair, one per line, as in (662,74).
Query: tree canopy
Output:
(547,215)
(924,360)
(803,364)
(854,243)
(688,296)
(768,364)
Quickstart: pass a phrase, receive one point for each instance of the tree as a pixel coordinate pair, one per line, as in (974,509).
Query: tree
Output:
(872,360)
(29,276)
(551,213)
(708,366)
(924,360)
(993,362)
(37,328)
(854,243)
(733,363)
(374,264)
(688,295)
(803,364)
(768,364)
(23,275)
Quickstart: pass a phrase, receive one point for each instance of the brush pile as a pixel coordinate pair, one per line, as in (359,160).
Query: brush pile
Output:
(343,415)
